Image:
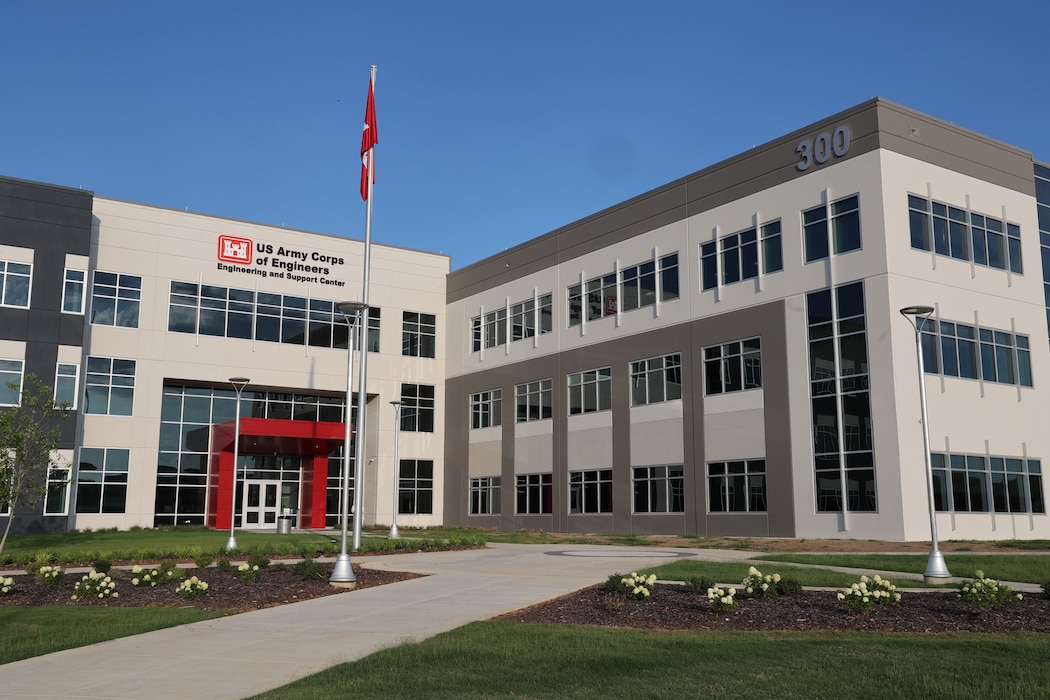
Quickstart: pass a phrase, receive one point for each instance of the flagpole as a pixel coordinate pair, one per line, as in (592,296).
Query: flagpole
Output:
(362,384)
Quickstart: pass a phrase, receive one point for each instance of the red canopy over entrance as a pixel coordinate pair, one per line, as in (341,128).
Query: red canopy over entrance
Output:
(311,440)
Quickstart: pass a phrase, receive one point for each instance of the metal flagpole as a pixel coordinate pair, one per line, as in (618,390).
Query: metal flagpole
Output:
(362,384)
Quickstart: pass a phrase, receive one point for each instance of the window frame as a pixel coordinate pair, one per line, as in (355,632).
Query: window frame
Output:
(418,408)
(484,495)
(69,288)
(10,284)
(118,482)
(7,369)
(537,405)
(747,471)
(591,492)
(124,298)
(731,359)
(652,372)
(486,409)
(590,391)
(418,334)
(656,485)
(415,492)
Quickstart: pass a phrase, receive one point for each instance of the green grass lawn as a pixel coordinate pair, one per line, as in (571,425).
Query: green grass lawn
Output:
(33,631)
(503,659)
(1026,568)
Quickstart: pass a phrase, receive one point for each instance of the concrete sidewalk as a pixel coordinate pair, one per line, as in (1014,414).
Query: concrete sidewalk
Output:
(242,655)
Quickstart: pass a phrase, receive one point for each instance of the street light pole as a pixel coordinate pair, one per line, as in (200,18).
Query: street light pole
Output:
(394,532)
(238,386)
(935,567)
(343,573)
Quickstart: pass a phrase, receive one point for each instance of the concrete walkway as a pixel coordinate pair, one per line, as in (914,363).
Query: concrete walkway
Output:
(242,655)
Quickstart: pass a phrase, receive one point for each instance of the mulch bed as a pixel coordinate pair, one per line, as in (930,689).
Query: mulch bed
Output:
(225,591)
(675,607)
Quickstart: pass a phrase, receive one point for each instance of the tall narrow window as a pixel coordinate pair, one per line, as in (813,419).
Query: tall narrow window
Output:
(73,292)
(66,385)
(10,382)
(417,408)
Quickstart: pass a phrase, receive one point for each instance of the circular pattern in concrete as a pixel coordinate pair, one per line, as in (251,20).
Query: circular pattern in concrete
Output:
(619,553)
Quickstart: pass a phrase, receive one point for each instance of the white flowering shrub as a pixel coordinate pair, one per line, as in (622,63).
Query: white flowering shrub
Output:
(248,573)
(50,574)
(722,599)
(637,586)
(6,585)
(145,577)
(191,587)
(861,596)
(95,585)
(985,592)
(759,586)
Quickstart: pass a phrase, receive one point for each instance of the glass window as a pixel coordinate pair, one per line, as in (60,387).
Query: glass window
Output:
(115,299)
(737,486)
(533,400)
(484,495)
(733,366)
(73,292)
(417,408)
(844,220)
(102,480)
(110,386)
(659,489)
(656,380)
(415,494)
(486,409)
(10,382)
(590,391)
(15,280)
(419,334)
(590,491)
(533,494)
(66,385)
(951,231)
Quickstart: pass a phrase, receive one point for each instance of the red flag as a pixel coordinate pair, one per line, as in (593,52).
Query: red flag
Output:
(369,138)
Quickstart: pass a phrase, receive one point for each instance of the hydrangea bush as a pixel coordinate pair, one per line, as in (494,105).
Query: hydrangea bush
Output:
(248,573)
(985,592)
(192,587)
(861,596)
(637,586)
(50,574)
(760,586)
(722,599)
(95,585)
(145,577)
(6,585)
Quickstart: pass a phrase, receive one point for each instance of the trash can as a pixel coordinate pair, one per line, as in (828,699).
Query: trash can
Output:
(284,524)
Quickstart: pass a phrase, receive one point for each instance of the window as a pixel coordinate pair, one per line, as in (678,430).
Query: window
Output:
(733,366)
(486,409)
(590,391)
(657,379)
(73,292)
(533,494)
(641,285)
(974,352)
(115,299)
(527,316)
(590,491)
(737,487)
(983,484)
(66,385)
(485,495)
(372,341)
(418,335)
(956,233)
(533,400)
(739,255)
(110,386)
(56,502)
(102,480)
(839,383)
(10,382)
(659,489)
(14,283)
(415,493)
(417,408)
(844,217)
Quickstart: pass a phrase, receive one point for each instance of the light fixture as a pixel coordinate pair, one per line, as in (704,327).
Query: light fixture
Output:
(238,386)
(936,569)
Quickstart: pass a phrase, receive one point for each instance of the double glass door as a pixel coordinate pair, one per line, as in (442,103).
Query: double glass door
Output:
(270,488)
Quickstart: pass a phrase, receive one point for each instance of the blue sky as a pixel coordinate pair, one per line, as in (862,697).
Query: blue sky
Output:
(498,120)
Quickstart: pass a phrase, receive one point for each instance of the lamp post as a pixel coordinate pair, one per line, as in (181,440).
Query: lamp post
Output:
(935,567)
(394,532)
(343,573)
(238,386)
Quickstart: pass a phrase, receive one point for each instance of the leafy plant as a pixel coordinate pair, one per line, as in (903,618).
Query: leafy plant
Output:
(638,586)
(51,575)
(248,573)
(223,565)
(258,560)
(204,561)
(722,599)
(861,596)
(95,584)
(789,586)
(170,570)
(192,587)
(102,565)
(145,577)
(759,586)
(6,585)
(311,570)
(986,593)
(699,584)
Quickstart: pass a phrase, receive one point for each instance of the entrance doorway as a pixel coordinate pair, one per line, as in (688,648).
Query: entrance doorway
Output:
(259,507)
(271,488)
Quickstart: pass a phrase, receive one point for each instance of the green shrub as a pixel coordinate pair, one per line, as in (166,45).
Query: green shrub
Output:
(170,570)
(613,583)
(51,575)
(279,566)
(248,573)
(258,559)
(204,561)
(311,570)
(102,565)
(223,565)
(758,585)
(986,593)
(867,592)
(699,584)
(789,586)
(95,585)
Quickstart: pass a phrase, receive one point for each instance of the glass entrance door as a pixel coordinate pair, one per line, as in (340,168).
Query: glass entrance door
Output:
(260,505)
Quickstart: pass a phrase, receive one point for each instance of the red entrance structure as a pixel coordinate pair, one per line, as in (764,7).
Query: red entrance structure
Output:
(311,440)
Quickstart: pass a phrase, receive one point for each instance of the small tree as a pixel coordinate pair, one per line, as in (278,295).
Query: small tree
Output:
(29,438)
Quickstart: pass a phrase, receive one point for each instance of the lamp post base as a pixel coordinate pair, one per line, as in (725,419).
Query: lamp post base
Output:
(936,569)
(343,573)
(231,544)
(394,532)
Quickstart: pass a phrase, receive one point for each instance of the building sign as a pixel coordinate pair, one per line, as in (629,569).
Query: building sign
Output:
(821,149)
(268,260)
